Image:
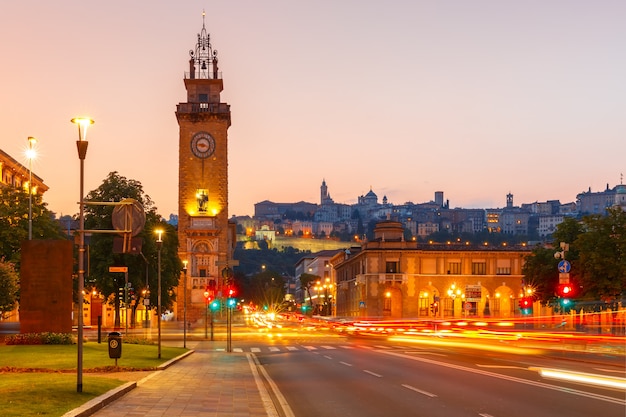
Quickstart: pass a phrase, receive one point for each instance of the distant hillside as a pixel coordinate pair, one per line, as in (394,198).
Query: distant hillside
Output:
(303,244)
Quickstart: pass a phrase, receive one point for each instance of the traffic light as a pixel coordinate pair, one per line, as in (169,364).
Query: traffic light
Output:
(231,302)
(120,293)
(215,305)
(565,290)
(526,305)
(434,307)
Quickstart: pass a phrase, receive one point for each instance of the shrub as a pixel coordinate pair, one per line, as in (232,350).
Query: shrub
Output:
(40,339)
(133,340)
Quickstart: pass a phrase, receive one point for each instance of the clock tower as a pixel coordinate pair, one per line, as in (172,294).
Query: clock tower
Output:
(206,238)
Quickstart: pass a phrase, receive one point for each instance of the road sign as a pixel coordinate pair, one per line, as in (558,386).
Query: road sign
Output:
(118,269)
(468,306)
(564,266)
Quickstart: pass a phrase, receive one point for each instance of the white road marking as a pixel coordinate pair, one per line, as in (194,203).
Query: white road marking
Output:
(327,357)
(255,349)
(274,349)
(345,363)
(329,347)
(238,350)
(310,347)
(429,394)
(292,348)
(372,373)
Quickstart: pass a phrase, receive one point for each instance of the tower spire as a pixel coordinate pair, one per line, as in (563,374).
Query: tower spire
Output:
(203,62)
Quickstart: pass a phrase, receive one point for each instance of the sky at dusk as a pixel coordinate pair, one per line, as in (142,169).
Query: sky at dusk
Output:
(473,98)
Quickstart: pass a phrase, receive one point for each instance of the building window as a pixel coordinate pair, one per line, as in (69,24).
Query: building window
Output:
(503,270)
(479,268)
(454,268)
(391,267)
(202,272)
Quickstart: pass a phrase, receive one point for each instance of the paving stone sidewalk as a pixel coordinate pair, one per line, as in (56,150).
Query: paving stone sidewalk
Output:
(206,383)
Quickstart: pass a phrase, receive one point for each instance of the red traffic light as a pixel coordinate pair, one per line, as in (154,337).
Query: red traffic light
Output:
(565,290)
(526,302)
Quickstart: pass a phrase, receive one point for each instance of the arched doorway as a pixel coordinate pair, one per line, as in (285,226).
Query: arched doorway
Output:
(501,304)
(392,303)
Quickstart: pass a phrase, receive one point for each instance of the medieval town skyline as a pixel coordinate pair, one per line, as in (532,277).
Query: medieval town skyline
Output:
(476,100)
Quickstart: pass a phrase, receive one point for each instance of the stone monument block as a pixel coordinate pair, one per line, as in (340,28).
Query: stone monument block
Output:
(46,286)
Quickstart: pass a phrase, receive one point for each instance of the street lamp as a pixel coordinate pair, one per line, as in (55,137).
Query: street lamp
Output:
(452,293)
(30,154)
(185,304)
(81,144)
(159,243)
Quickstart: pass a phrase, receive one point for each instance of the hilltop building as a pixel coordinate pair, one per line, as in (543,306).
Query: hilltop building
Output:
(14,174)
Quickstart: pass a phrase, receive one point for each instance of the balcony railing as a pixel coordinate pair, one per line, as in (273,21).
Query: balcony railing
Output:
(203,108)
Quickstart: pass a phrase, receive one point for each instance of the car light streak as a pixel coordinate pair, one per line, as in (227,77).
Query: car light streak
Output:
(471,345)
(581,377)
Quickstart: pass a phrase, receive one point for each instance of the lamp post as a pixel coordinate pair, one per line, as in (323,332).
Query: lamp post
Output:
(185,304)
(30,154)
(453,291)
(159,243)
(81,144)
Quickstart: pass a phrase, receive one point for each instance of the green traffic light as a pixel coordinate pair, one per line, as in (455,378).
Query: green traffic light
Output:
(215,305)
(232,302)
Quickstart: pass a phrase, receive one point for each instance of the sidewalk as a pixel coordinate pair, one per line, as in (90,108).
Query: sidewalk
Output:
(205,383)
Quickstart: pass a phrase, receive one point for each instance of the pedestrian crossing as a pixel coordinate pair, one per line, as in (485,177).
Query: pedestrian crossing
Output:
(300,348)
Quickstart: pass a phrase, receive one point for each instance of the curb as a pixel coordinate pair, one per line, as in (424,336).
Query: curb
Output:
(108,397)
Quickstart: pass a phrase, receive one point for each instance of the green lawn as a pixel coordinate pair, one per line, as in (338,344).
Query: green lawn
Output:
(54,393)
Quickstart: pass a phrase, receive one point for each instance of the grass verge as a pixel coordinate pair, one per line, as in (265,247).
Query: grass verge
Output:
(41,379)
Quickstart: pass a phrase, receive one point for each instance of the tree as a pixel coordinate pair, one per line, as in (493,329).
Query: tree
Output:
(142,266)
(541,274)
(307,281)
(8,287)
(602,255)
(268,290)
(14,204)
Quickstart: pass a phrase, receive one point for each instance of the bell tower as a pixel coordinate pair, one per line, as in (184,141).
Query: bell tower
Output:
(206,238)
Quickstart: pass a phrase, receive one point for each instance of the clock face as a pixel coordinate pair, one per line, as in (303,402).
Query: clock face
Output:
(202,145)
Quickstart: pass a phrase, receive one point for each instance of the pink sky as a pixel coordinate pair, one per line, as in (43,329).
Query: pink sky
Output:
(473,98)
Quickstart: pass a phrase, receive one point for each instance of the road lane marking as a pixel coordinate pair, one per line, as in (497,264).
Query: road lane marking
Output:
(328,357)
(329,347)
(428,394)
(268,404)
(255,350)
(310,347)
(292,348)
(508,378)
(345,363)
(372,373)
(238,350)
(274,349)
(346,347)
(485,415)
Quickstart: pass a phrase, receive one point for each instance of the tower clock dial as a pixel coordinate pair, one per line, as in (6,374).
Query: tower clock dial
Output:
(202,145)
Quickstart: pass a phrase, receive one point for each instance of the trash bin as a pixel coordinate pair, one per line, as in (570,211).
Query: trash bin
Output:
(115,345)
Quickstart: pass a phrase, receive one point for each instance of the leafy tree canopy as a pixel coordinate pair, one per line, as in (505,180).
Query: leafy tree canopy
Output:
(14,204)
(597,253)
(143,265)
(8,287)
